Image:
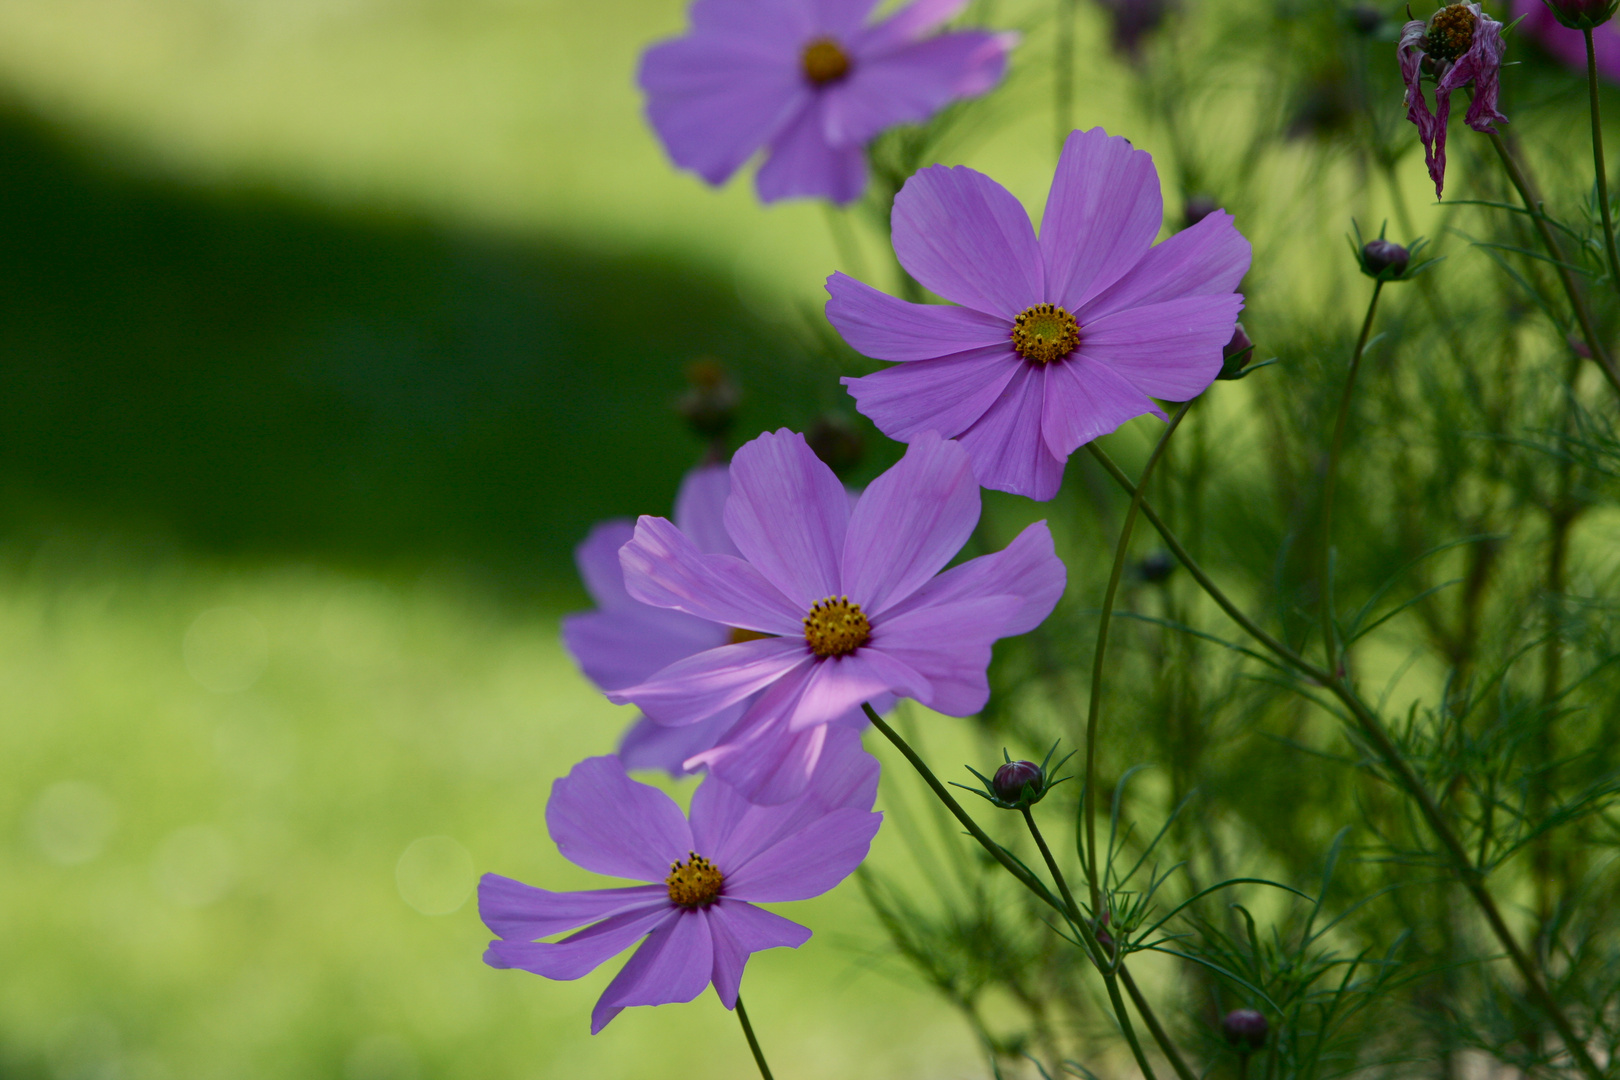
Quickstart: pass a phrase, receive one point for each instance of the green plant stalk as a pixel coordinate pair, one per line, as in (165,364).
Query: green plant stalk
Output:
(1583,318)
(753,1043)
(1464,867)
(1094,710)
(1597,161)
(1064,907)
(1330,485)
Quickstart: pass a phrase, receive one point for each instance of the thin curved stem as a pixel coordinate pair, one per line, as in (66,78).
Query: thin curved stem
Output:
(753,1043)
(1597,161)
(1094,710)
(1532,205)
(1330,484)
(1472,877)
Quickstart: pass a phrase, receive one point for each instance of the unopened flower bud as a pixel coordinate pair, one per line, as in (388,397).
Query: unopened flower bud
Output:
(1581,14)
(1245,1029)
(710,402)
(1198,208)
(1016,781)
(1235,355)
(1156,566)
(837,442)
(1384,259)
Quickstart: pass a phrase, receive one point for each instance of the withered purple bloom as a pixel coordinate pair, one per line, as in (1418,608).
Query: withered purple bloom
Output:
(1459,45)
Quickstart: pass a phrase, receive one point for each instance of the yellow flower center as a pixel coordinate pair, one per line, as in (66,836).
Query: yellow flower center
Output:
(836,627)
(1045,333)
(694,883)
(824,62)
(738,635)
(1451,32)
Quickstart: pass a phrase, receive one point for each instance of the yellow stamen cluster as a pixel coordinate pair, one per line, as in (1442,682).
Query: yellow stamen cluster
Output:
(836,627)
(738,635)
(1451,32)
(695,882)
(824,61)
(1045,333)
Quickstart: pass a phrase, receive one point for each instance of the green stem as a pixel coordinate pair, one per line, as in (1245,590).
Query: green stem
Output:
(1521,184)
(753,1043)
(1597,160)
(1465,869)
(1094,712)
(1330,484)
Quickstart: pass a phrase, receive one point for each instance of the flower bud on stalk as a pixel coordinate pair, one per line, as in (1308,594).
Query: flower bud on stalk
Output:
(1245,1029)
(1236,354)
(1384,260)
(1017,781)
(1582,14)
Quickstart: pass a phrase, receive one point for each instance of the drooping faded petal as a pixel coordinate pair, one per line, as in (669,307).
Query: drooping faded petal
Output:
(909,523)
(1101,216)
(878,325)
(1085,399)
(623,647)
(1481,65)
(1171,349)
(1027,568)
(1209,258)
(804,162)
(911,82)
(787,515)
(604,821)
(522,912)
(663,568)
(964,236)
(714,101)
(809,862)
(949,644)
(698,687)
(673,964)
(648,744)
(1005,443)
(739,930)
(947,395)
(700,509)
(581,953)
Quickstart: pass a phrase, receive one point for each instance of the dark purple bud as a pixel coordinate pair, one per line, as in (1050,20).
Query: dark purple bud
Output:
(711,399)
(1365,19)
(1198,208)
(1235,355)
(1581,14)
(1245,1029)
(1013,778)
(1156,566)
(837,442)
(1384,259)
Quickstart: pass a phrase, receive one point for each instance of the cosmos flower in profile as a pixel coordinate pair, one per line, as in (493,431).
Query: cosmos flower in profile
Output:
(811,82)
(707,873)
(1049,343)
(1459,45)
(849,603)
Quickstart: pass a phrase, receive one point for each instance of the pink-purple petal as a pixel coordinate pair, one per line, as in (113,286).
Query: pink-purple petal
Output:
(841,19)
(906,25)
(948,395)
(911,82)
(699,686)
(909,523)
(739,930)
(803,162)
(663,568)
(878,325)
(1171,349)
(787,515)
(763,760)
(648,744)
(809,862)
(597,559)
(965,237)
(838,684)
(620,648)
(522,912)
(673,964)
(1027,568)
(778,29)
(700,509)
(1209,258)
(1101,216)
(602,820)
(1005,443)
(1086,398)
(949,644)
(581,953)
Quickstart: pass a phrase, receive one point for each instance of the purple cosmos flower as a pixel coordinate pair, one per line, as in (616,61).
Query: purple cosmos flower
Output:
(848,596)
(1058,340)
(624,641)
(698,916)
(812,82)
(1569,46)
(1461,44)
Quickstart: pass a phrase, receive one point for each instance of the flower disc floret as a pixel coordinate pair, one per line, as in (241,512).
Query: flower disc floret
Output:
(1045,333)
(836,627)
(695,882)
(825,62)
